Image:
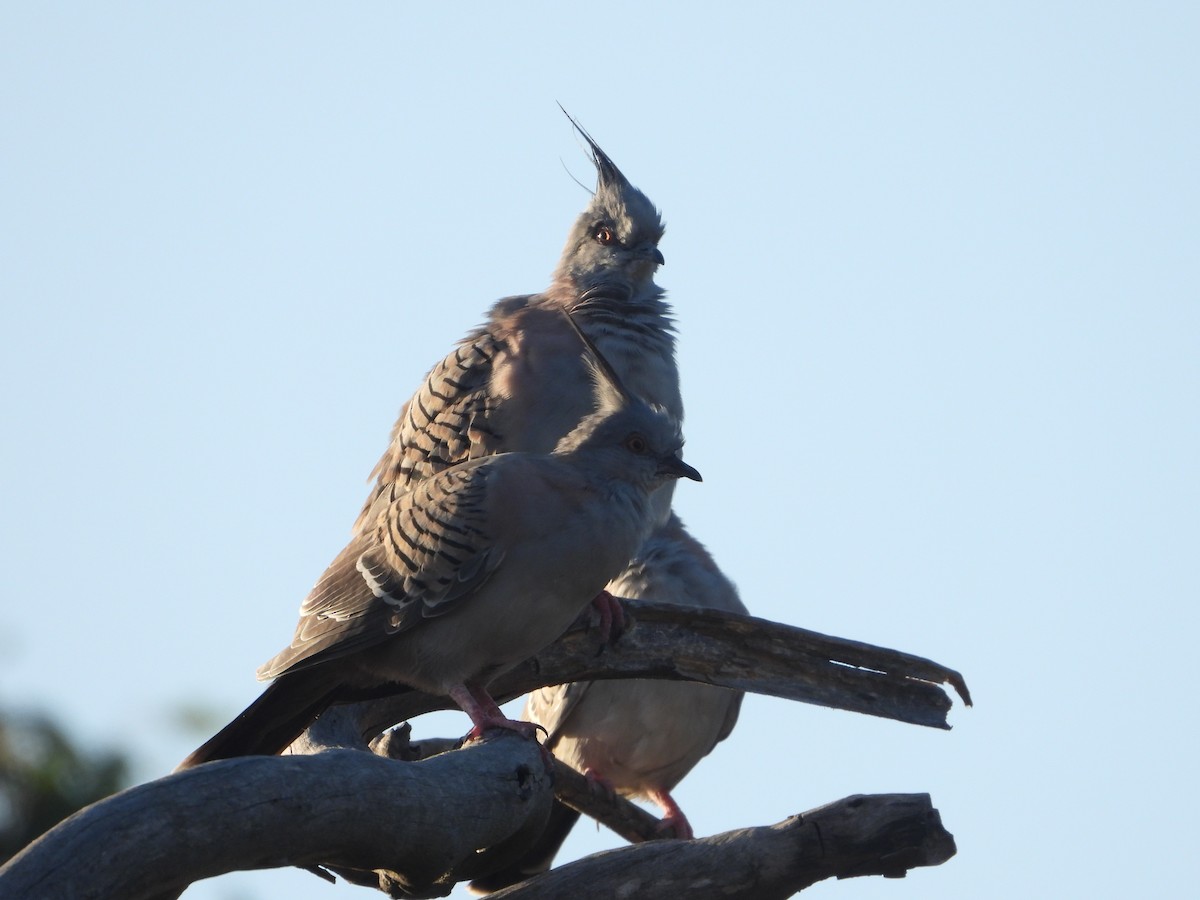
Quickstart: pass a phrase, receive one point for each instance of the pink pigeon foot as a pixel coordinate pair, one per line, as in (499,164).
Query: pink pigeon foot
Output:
(485,714)
(612,616)
(673,820)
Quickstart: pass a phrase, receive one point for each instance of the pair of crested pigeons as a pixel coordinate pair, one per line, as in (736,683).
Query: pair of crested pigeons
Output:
(530,475)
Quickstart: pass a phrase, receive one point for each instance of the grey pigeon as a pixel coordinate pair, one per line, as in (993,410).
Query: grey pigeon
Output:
(639,737)
(469,572)
(516,383)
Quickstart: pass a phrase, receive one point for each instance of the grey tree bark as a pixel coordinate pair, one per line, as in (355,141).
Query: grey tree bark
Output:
(412,820)
(726,649)
(881,834)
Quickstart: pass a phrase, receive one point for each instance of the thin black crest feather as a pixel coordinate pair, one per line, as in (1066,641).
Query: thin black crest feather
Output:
(602,364)
(571,175)
(606,169)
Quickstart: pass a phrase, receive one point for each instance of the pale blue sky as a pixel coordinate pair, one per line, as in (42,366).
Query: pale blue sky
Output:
(935,272)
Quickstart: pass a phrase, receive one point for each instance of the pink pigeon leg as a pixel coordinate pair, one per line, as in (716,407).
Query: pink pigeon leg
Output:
(479,705)
(673,819)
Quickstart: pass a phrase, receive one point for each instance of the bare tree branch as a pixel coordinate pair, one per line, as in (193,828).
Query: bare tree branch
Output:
(665,641)
(414,829)
(725,649)
(411,830)
(882,834)
(346,809)
(623,817)
(338,730)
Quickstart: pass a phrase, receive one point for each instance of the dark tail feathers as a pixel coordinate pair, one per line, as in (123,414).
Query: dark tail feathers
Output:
(269,724)
(537,858)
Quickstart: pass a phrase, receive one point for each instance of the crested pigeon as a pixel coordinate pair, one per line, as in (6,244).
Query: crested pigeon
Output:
(470,571)
(514,383)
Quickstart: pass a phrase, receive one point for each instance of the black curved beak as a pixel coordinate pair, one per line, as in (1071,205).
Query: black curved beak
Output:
(650,251)
(676,468)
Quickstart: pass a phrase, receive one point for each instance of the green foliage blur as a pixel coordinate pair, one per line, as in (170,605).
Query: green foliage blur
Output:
(44,778)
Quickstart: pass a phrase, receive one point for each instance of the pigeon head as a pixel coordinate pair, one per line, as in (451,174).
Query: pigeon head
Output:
(615,240)
(626,436)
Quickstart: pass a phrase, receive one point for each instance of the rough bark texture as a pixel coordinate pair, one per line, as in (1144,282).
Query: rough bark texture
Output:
(347,809)
(883,834)
(411,823)
(725,649)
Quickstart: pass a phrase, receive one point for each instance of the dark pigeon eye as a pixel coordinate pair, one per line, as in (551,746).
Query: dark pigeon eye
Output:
(603,235)
(635,443)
